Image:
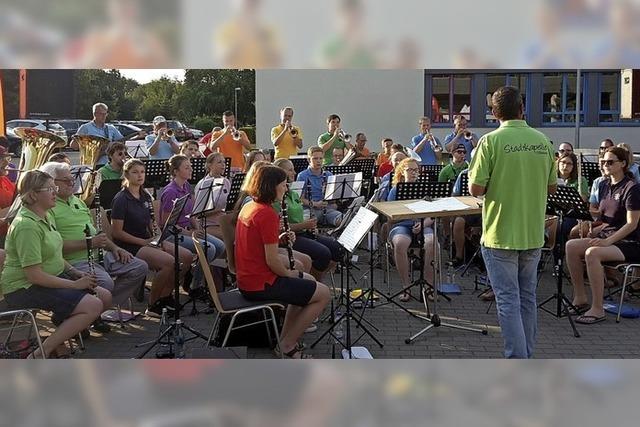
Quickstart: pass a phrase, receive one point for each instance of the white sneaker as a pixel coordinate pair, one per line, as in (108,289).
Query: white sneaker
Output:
(312,328)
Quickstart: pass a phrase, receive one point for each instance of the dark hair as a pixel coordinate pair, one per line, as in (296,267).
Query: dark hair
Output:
(333,116)
(251,159)
(359,134)
(264,182)
(573,175)
(116,146)
(228,113)
(507,103)
(58,157)
(314,149)
(565,142)
(387,139)
(609,141)
(622,155)
(397,147)
(174,163)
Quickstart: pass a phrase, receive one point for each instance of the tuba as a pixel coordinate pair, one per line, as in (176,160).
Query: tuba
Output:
(91,148)
(37,146)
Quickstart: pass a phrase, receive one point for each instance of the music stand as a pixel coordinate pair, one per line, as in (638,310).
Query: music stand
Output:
(300,163)
(81,174)
(565,203)
(430,172)
(108,190)
(234,191)
(350,238)
(296,187)
(590,170)
(199,169)
(173,332)
(137,149)
(344,186)
(156,174)
(227,167)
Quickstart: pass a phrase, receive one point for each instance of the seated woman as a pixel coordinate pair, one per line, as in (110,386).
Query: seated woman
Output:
(215,165)
(617,239)
(132,229)
(179,168)
(252,157)
(35,275)
(260,272)
(402,232)
(324,251)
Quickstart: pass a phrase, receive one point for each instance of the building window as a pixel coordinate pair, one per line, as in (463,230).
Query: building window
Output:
(559,98)
(451,95)
(495,81)
(609,110)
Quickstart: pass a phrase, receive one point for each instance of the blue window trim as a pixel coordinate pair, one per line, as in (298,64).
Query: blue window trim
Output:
(527,89)
(564,112)
(450,76)
(619,122)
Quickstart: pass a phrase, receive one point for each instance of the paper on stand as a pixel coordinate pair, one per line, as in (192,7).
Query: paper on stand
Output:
(440,205)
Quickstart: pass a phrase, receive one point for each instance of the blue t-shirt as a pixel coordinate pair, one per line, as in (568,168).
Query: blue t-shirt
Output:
(164,147)
(107,131)
(392,197)
(316,182)
(427,154)
(594,197)
(467,143)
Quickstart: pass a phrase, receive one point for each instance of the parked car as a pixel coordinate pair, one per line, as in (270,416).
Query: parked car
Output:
(71,126)
(127,130)
(50,126)
(182,132)
(14,144)
(197,133)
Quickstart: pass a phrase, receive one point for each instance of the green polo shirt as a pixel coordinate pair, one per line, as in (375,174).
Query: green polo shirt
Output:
(451,171)
(328,155)
(294,208)
(107,173)
(516,165)
(31,241)
(71,217)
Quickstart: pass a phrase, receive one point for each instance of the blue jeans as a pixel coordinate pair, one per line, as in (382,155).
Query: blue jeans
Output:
(513,277)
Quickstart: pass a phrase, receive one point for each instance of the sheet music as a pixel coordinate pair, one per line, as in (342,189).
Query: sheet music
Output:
(80,175)
(296,187)
(352,185)
(134,151)
(440,205)
(355,231)
(204,203)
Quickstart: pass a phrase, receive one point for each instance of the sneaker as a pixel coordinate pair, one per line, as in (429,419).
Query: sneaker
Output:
(312,328)
(101,326)
(155,310)
(169,302)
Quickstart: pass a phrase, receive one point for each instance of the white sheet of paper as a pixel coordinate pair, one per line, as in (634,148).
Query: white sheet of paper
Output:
(296,187)
(446,204)
(134,151)
(335,189)
(355,231)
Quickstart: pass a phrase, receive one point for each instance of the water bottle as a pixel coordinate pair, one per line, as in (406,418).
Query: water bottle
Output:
(179,340)
(338,331)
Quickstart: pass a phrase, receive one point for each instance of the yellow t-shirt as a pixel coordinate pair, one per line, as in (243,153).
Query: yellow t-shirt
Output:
(287,146)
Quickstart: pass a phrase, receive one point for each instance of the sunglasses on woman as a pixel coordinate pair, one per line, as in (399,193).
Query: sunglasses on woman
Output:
(608,162)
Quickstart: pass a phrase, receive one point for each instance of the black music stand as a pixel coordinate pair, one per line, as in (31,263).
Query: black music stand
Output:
(174,331)
(344,186)
(108,190)
(227,167)
(300,163)
(590,170)
(349,240)
(199,169)
(156,174)
(565,203)
(137,149)
(429,190)
(80,174)
(366,166)
(234,191)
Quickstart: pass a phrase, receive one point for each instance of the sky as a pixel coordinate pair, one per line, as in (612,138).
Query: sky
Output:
(143,76)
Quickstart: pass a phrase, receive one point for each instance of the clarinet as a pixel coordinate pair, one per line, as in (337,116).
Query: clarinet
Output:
(155,231)
(96,200)
(285,221)
(92,266)
(313,233)
(324,188)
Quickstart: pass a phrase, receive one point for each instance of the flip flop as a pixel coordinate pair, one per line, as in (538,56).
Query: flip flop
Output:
(579,309)
(587,319)
(405,297)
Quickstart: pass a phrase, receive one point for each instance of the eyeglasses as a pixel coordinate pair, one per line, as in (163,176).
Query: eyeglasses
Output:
(412,170)
(568,150)
(567,163)
(608,162)
(52,189)
(67,181)
(461,152)
(603,147)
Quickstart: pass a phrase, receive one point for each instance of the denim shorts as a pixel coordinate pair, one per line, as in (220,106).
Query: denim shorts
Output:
(403,230)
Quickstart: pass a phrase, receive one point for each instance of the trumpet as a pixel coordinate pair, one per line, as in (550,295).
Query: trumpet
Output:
(293,131)
(344,136)
(468,135)
(236,134)
(170,133)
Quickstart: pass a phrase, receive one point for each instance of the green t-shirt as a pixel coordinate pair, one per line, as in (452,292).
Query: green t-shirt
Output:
(328,155)
(31,241)
(574,184)
(295,210)
(107,173)
(516,165)
(451,171)
(71,217)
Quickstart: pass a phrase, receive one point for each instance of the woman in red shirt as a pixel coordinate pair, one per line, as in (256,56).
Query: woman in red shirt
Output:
(259,269)
(7,191)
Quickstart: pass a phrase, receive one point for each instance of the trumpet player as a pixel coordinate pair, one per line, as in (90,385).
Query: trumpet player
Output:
(335,137)
(286,138)
(161,143)
(71,216)
(426,144)
(231,142)
(461,135)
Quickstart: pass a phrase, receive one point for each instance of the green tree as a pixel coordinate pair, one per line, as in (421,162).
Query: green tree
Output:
(109,87)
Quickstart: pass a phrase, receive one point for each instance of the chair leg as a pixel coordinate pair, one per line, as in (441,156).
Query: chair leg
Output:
(266,324)
(231,323)
(624,287)
(213,330)
(275,328)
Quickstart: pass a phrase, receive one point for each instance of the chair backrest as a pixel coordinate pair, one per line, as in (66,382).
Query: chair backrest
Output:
(204,265)
(229,238)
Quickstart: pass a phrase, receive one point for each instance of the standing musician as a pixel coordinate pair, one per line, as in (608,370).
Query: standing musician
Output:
(260,272)
(333,138)
(426,145)
(317,179)
(71,216)
(616,239)
(7,191)
(230,141)
(286,138)
(35,275)
(385,154)
(401,234)
(215,165)
(179,168)
(132,229)
(117,154)
(324,251)
(461,135)
(160,143)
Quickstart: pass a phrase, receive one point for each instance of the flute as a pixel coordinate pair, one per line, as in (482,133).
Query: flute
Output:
(285,222)
(90,260)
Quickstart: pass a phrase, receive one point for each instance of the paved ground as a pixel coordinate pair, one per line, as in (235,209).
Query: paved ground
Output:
(555,339)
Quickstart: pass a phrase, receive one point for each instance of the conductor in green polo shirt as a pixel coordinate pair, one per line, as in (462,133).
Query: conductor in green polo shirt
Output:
(514,169)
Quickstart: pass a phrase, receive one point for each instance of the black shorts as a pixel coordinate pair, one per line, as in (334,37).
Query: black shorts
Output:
(473,220)
(285,289)
(630,249)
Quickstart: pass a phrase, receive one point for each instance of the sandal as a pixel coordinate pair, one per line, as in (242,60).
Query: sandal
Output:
(292,353)
(588,319)
(576,310)
(405,297)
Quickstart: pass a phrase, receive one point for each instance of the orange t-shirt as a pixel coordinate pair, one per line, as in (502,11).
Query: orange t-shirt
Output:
(230,148)
(7,190)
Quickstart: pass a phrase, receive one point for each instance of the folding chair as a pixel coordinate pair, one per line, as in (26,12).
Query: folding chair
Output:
(18,322)
(631,275)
